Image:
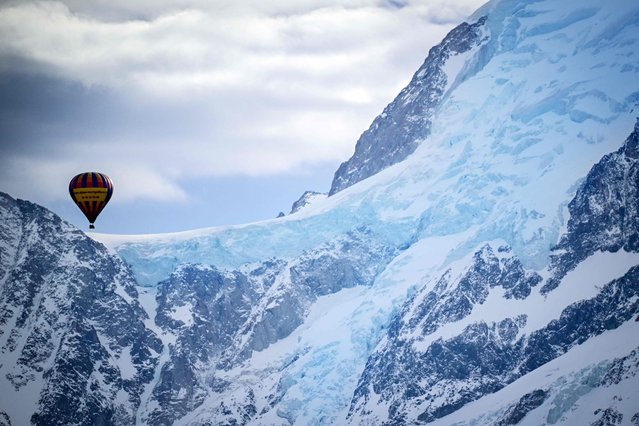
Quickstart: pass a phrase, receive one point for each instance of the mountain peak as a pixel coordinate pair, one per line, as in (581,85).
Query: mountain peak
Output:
(307,198)
(406,122)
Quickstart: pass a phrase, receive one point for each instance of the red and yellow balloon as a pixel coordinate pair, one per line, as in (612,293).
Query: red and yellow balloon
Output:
(91,191)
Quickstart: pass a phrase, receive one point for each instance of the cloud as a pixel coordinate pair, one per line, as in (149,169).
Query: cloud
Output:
(142,183)
(164,91)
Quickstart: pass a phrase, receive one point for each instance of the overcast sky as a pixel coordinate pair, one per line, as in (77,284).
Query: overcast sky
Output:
(202,112)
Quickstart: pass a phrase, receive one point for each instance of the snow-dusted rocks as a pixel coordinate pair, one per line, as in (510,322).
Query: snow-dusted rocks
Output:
(604,215)
(219,318)
(73,345)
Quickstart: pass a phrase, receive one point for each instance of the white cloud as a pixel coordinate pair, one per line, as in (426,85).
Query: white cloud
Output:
(221,87)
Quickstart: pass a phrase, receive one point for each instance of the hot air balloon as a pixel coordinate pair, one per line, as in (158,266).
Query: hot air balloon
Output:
(91,191)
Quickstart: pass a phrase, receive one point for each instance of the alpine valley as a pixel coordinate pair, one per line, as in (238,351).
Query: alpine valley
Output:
(475,263)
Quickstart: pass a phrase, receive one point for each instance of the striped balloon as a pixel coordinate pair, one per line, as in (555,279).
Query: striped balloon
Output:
(91,191)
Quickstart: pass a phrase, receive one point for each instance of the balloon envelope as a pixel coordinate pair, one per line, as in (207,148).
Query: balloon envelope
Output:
(91,191)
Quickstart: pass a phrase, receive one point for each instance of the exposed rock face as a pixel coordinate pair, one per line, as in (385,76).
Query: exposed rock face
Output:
(605,213)
(406,121)
(72,335)
(448,373)
(526,403)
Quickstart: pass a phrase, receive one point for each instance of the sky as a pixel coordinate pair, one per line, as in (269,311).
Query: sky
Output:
(202,112)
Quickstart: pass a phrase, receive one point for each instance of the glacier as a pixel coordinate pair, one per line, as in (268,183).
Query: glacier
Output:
(477,261)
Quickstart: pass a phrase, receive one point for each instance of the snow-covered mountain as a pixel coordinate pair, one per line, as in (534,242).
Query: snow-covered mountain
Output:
(396,133)
(476,263)
(74,347)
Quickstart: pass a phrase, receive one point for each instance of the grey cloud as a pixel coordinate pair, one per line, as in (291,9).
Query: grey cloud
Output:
(170,90)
